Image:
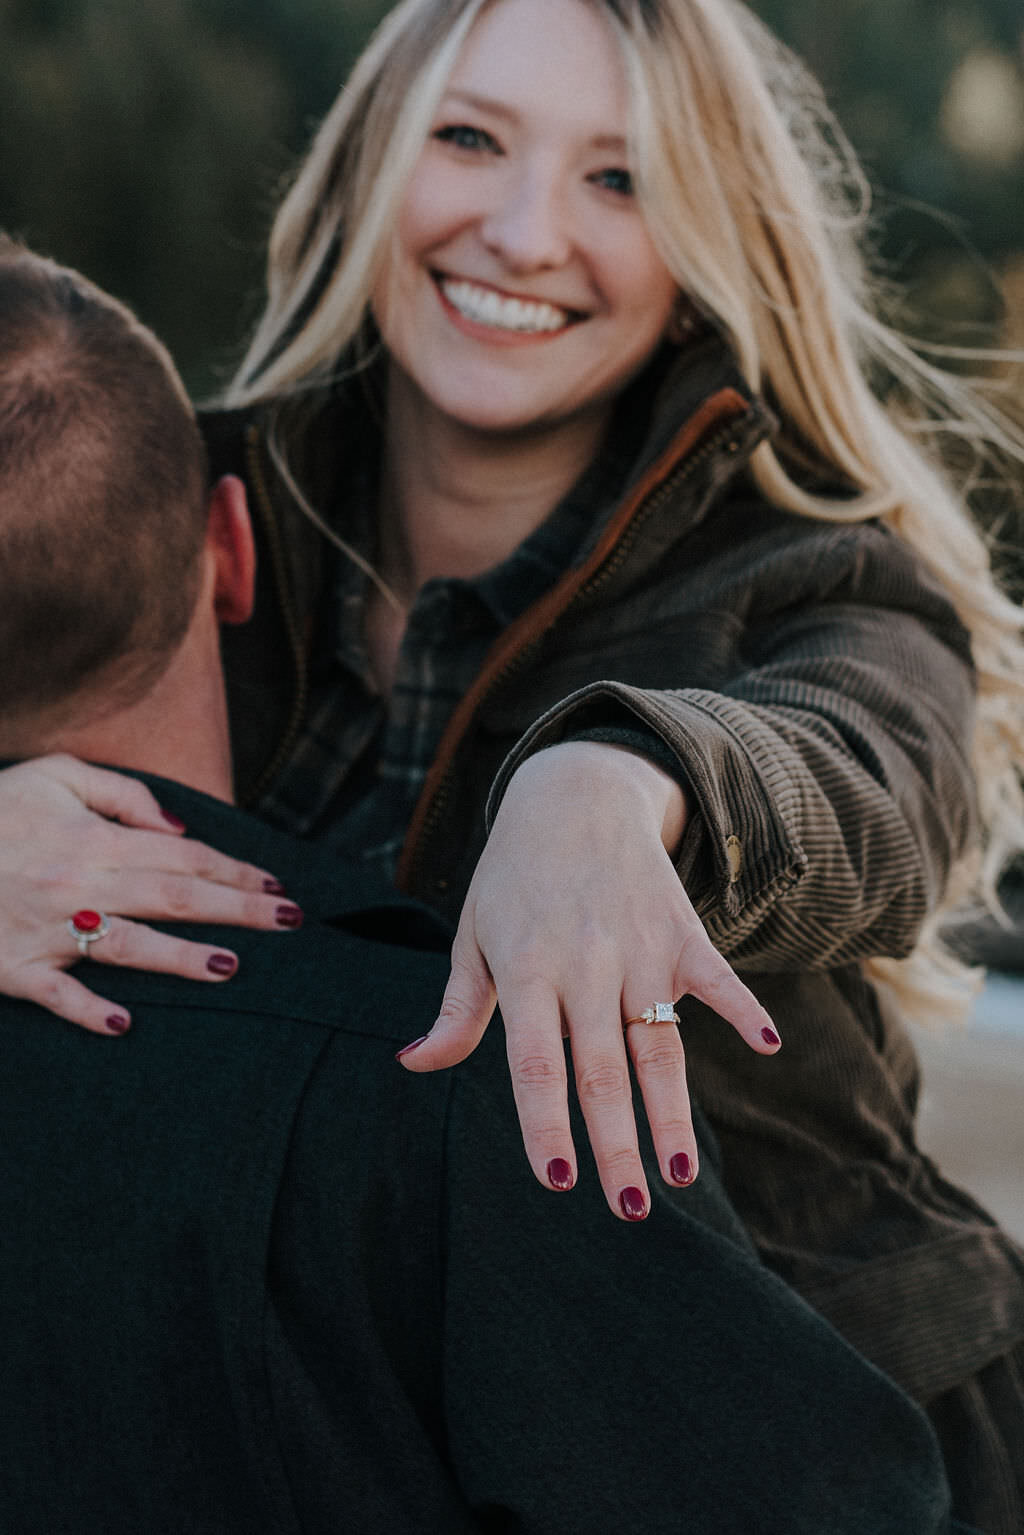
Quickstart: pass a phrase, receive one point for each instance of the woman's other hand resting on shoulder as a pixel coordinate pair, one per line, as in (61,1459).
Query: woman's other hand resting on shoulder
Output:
(576,921)
(73,836)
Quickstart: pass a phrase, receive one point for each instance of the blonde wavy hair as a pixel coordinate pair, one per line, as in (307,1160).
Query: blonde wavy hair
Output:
(759,208)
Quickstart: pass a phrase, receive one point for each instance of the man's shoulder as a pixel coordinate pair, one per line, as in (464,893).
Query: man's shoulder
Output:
(315,877)
(325,977)
(367,961)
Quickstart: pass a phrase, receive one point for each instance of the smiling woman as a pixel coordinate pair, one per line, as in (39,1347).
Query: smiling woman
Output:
(607,608)
(524,290)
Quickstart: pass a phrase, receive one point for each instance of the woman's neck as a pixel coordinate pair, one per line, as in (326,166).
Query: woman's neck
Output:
(455,502)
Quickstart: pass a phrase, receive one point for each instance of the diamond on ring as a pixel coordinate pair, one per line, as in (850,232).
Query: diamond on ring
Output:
(88,927)
(658,1012)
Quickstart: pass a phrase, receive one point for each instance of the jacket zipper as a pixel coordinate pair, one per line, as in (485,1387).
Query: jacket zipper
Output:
(411,861)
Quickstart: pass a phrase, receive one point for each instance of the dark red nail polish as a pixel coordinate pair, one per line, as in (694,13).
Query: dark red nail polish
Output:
(560,1174)
(117,1023)
(173,820)
(633,1204)
(290,916)
(410,1048)
(274,887)
(222,964)
(770,1037)
(681,1169)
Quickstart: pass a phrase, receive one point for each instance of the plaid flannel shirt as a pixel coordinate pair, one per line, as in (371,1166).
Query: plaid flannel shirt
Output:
(357,769)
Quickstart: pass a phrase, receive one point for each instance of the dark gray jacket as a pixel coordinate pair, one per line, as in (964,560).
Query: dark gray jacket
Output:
(815,687)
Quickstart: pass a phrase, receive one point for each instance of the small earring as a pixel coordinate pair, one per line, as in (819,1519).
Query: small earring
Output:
(684,321)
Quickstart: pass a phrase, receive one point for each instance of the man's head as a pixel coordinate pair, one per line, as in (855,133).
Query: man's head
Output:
(105,515)
(102,493)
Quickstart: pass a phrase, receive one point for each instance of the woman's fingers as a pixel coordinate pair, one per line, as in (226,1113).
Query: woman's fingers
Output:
(74,837)
(129,945)
(657,1048)
(704,973)
(111,794)
(660,1065)
(543,997)
(129,848)
(163,895)
(535,1054)
(605,1095)
(466,1009)
(536,1059)
(575,908)
(45,981)
(136,873)
(134,946)
(67,998)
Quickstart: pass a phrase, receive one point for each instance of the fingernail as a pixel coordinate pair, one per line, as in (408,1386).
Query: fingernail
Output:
(173,820)
(770,1037)
(117,1023)
(222,964)
(274,887)
(290,916)
(560,1174)
(633,1204)
(410,1048)
(681,1168)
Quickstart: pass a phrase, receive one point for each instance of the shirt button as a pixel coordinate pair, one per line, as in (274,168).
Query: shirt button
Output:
(443,884)
(734,855)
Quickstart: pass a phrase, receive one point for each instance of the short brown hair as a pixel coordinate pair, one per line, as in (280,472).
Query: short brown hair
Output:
(102,494)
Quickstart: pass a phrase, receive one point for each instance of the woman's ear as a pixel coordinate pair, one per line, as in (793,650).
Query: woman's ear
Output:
(685,321)
(230,542)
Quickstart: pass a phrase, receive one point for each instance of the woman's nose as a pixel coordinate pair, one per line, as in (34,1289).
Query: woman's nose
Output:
(529,227)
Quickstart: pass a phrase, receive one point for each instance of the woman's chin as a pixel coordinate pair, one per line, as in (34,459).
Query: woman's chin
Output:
(489,415)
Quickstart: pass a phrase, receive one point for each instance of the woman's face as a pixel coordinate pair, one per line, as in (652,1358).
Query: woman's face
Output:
(524,288)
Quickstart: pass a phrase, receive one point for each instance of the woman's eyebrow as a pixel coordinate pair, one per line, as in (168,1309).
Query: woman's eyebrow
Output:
(481,104)
(611,143)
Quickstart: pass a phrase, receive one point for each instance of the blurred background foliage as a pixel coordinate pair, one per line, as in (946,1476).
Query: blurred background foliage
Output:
(148,144)
(931,92)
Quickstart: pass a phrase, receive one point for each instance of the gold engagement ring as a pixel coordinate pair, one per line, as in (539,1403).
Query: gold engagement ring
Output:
(658,1012)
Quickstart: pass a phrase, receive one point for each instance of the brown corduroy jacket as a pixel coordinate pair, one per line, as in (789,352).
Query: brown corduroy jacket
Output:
(816,689)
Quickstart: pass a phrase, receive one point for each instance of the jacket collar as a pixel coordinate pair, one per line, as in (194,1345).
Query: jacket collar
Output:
(324,431)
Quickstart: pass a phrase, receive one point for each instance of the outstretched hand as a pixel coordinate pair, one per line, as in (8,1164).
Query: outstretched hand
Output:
(575,922)
(74,836)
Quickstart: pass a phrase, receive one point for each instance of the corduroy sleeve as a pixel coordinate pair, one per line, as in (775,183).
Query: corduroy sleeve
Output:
(830,770)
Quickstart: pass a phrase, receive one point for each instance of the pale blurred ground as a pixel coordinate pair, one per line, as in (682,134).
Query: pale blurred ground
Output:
(972,1107)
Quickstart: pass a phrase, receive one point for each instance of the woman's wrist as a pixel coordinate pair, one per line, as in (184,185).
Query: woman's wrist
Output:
(592,770)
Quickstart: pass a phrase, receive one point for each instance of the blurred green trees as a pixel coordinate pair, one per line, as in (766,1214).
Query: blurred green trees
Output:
(932,94)
(147,144)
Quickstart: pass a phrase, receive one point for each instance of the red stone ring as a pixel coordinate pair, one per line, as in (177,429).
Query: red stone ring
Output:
(88,927)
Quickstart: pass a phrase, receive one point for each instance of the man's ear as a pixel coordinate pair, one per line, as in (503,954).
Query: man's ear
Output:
(230,541)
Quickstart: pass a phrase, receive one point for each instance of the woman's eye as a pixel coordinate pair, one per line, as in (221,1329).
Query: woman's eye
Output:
(463,136)
(615,179)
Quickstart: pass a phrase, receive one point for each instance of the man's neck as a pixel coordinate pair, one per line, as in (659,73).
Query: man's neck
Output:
(179,730)
(174,750)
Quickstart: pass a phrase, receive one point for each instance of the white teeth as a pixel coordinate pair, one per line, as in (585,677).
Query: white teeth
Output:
(486,307)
